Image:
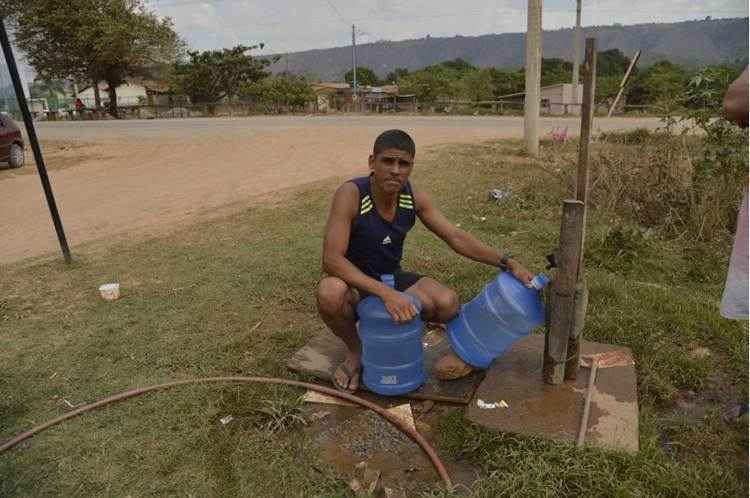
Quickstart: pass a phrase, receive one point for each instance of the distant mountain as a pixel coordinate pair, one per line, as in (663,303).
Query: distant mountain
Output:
(693,43)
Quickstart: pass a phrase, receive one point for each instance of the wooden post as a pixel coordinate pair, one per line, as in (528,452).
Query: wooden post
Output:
(562,296)
(587,118)
(580,299)
(623,83)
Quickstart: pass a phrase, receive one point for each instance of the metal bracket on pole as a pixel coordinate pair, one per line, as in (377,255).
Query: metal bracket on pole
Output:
(33,140)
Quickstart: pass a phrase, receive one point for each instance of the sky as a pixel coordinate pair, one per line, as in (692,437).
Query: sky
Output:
(295,25)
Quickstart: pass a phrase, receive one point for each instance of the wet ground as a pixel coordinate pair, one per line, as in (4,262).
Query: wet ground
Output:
(360,445)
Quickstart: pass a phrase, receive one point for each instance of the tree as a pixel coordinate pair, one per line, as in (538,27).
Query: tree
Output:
(396,75)
(107,40)
(478,85)
(213,75)
(459,65)
(280,92)
(607,87)
(556,71)
(506,82)
(92,40)
(611,63)
(431,84)
(439,81)
(663,83)
(706,89)
(365,77)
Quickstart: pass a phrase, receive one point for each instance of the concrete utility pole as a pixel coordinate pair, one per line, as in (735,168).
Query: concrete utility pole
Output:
(533,76)
(576,51)
(354,64)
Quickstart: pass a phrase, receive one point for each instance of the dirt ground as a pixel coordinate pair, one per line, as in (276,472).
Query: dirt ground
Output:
(115,177)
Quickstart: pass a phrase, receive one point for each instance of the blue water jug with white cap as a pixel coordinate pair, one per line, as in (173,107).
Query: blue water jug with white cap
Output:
(392,356)
(505,311)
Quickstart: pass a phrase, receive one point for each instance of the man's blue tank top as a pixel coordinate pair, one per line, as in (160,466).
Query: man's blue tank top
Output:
(375,244)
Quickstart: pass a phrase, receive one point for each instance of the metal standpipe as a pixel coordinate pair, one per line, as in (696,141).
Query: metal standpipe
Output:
(31,132)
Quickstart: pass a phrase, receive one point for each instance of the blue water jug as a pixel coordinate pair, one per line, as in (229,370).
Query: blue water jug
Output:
(505,311)
(392,356)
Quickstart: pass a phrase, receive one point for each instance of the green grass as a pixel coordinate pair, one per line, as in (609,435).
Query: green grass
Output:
(234,296)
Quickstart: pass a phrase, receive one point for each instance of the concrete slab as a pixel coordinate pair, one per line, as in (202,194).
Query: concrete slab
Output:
(554,412)
(323,353)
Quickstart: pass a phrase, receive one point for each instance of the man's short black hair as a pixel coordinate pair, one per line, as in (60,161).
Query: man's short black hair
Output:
(394,139)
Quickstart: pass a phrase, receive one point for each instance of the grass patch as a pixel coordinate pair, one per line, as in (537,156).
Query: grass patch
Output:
(235,296)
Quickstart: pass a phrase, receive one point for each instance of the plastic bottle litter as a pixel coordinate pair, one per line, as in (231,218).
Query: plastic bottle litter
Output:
(392,355)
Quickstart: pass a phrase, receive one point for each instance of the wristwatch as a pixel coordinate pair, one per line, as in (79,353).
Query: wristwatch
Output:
(504,261)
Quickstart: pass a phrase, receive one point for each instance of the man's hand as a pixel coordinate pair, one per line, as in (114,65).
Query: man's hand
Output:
(400,307)
(521,273)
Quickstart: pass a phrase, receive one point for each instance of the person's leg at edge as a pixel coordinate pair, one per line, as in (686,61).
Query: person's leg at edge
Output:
(336,306)
(440,304)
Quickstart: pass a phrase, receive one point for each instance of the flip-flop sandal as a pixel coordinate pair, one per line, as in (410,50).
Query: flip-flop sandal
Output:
(349,375)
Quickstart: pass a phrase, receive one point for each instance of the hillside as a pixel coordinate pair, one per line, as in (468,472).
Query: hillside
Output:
(693,43)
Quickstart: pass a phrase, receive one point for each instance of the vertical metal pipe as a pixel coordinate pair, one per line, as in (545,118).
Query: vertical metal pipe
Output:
(31,132)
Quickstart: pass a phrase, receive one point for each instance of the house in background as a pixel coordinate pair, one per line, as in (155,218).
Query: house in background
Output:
(133,93)
(556,100)
(331,96)
(339,96)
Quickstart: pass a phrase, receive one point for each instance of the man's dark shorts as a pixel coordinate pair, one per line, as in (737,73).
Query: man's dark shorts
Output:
(403,280)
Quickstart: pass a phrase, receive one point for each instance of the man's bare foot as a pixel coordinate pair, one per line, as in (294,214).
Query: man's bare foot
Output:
(451,367)
(346,376)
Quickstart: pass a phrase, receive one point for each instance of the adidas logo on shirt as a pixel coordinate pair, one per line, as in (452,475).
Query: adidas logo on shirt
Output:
(386,240)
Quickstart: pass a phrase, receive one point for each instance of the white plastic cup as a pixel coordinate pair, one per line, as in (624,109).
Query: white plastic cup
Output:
(110,292)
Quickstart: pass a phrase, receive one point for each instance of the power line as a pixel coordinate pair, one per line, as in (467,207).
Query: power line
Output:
(336,10)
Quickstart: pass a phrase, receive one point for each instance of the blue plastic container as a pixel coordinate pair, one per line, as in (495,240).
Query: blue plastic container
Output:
(392,356)
(505,311)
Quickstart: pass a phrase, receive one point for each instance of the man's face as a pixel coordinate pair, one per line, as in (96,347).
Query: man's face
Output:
(391,169)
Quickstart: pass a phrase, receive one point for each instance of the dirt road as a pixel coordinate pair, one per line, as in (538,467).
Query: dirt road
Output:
(112,177)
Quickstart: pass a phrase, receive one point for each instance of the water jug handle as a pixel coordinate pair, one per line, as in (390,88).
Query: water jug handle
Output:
(389,280)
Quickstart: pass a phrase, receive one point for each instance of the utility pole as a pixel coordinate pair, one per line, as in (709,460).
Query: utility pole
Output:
(354,64)
(533,76)
(576,51)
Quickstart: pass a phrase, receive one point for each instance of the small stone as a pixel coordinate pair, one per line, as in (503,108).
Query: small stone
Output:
(451,367)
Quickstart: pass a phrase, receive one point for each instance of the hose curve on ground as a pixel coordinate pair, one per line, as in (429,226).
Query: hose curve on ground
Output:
(416,436)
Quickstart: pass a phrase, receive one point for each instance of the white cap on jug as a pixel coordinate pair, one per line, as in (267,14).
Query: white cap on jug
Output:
(540,281)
